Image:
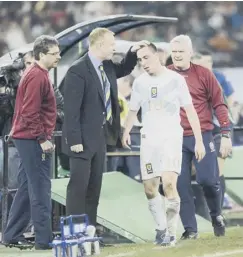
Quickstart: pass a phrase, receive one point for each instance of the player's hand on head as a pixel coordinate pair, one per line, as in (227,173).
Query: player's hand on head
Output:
(77,148)
(225,147)
(126,140)
(200,151)
(139,44)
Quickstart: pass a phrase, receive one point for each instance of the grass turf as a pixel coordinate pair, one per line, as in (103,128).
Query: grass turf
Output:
(206,246)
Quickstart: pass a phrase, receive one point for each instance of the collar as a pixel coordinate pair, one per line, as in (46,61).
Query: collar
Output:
(95,61)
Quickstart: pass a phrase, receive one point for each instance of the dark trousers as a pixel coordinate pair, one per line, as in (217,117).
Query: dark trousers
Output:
(207,175)
(200,202)
(83,190)
(33,198)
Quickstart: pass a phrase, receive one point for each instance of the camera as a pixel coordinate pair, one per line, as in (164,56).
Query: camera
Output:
(10,75)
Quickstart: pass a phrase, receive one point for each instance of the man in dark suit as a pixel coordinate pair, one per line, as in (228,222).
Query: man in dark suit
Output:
(92,118)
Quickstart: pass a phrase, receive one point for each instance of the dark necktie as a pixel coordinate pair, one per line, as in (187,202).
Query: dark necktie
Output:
(107,95)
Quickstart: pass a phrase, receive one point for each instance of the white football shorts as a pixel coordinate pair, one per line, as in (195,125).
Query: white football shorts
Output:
(160,153)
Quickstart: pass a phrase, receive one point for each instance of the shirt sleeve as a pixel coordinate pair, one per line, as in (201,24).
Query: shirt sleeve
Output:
(217,100)
(135,100)
(184,94)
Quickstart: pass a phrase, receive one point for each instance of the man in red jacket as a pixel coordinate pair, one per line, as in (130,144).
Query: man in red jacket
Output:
(207,97)
(33,123)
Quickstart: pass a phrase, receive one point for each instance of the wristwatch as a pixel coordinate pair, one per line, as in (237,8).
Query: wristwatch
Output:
(226,135)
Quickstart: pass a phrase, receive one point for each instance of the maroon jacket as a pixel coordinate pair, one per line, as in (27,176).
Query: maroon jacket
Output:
(207,97)
(35,107)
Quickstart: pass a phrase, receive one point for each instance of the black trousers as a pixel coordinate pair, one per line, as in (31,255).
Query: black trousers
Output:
(83,190)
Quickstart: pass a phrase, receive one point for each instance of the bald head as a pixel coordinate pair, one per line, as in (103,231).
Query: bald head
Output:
(97,35)
(184,40)
(102,43)
(181,51)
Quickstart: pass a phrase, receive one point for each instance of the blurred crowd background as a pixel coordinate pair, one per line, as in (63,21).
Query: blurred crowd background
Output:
(217,25)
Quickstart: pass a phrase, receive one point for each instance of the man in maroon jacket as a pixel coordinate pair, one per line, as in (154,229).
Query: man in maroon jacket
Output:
(206,96)
(33,123)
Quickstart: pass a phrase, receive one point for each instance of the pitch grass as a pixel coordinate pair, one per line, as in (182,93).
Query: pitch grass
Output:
(206,245)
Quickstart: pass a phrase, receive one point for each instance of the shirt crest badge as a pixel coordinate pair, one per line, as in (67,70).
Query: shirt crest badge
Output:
(154,92)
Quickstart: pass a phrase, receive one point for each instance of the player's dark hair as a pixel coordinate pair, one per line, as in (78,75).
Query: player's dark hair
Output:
(152,47)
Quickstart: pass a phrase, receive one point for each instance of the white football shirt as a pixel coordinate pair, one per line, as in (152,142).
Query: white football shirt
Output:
(160,98)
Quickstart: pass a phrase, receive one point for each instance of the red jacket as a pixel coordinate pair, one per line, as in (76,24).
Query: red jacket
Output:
(207,96)
(35,107)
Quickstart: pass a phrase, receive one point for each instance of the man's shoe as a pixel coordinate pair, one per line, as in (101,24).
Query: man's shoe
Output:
(189,235)
(169,241)
(21,244)
(101,233)
(160,236)
(218,225)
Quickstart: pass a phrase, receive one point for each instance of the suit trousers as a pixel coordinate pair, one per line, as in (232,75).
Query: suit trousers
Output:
(83,190)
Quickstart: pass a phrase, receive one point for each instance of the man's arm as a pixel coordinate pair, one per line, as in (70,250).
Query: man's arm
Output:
(134,106)
(221,112)
(129,62)
(31,107)
(131,117)
(217,100)
(194,122)
(73,92)
(186,103)
(130,120)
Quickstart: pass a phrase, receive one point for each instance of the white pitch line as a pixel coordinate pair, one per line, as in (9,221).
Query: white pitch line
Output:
(222,254)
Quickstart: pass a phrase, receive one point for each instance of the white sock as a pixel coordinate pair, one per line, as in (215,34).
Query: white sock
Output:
(172,215)
(156,208)
(164,207)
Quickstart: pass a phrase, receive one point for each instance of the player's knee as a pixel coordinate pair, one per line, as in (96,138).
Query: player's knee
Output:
(169,187)
(150,191)
(151,187)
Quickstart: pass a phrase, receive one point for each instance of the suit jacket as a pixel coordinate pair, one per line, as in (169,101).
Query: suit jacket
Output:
(84,108)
